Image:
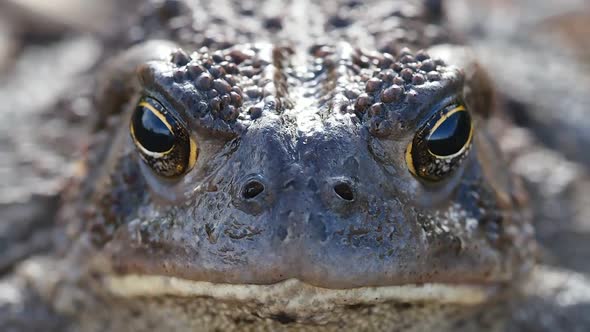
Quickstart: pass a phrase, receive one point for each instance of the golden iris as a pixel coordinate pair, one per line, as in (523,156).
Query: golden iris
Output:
(440,145)
(163,142)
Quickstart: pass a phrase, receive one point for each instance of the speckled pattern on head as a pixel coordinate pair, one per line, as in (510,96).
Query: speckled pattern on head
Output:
(225,90)
(302,112)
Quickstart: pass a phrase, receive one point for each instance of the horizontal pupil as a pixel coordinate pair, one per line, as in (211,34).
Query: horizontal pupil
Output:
(150,131)
(451,136)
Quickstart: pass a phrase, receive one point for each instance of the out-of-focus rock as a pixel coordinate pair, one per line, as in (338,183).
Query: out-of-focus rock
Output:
(61,15)
(529,52)
(36,142)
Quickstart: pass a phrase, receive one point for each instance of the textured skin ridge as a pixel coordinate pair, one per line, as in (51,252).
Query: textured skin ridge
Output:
(226,89)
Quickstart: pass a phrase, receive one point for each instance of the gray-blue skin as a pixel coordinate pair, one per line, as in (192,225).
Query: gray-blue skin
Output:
(301,171)
(317,183)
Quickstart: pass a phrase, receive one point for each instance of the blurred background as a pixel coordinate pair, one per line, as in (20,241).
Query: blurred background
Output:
(536,51)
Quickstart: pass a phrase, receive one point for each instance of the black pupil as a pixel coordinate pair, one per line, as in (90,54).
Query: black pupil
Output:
(150,131)
(450,137)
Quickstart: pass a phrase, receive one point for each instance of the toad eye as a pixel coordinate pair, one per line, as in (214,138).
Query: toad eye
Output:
(441,144)
(162,141)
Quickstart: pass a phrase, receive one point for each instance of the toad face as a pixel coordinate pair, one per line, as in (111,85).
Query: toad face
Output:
(337,168)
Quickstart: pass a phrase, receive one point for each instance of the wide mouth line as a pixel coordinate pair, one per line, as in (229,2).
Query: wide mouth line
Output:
(294,294)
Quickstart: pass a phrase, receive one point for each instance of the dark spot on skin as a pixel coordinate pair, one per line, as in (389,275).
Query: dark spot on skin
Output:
(283,318)
(282,233)
(210,230)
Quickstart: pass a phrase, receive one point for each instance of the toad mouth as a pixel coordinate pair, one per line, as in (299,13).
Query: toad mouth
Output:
(293,295)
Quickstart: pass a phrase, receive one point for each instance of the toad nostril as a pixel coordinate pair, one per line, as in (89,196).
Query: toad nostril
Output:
(344,190)
(252,189)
